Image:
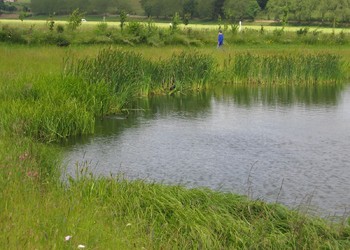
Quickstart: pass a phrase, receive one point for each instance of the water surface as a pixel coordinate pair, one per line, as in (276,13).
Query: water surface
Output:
(284,144)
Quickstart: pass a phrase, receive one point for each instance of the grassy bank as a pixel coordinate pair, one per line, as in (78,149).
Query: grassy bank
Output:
(44,98)
(160,34)
(39,212)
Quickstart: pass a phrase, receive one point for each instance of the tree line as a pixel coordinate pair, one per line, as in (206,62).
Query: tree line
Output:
(283,10)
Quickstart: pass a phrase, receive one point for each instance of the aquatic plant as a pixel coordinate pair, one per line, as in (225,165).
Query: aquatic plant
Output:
(129,72)
(187,70)
(52,108)
(290,68)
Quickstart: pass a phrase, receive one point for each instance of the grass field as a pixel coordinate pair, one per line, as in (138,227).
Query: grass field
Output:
(115,23)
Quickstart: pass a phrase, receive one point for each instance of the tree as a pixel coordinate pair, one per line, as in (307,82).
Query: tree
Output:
(21,16)
(49,6)
(338,10)
(123,17)
(186,18)
(302,9)
(262,4)
(281,9)
(83,5)
(189,7)
(74,20)
(175,21)
(241,9)
(204,9)
(2,5)
(152,7)
(124,5)
(102,6)
(218,8)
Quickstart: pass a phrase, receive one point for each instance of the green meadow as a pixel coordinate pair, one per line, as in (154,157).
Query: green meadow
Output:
(48,93)
(156,34)
(114,22)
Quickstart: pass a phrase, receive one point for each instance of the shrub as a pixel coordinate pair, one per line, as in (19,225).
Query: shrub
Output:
(102,28)
(12,35)
(302,31)
(75,18)
(62,41)
(60,28)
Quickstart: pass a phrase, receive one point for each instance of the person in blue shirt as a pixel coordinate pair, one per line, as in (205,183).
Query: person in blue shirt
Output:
(220,39)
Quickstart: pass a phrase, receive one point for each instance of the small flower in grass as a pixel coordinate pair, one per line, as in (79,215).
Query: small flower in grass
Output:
(68,237)
(24,156)
(81,246)
(32,174)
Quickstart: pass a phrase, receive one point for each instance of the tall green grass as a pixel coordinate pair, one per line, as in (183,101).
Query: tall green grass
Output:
(286,69)
(52,108)
(129,72)
(38,211)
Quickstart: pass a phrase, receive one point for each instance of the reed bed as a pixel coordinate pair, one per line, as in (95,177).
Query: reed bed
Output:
(287,69)
(129,72)
(187,70)
(52,108)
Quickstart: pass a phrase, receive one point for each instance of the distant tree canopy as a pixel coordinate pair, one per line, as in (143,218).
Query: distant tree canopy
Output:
(262,3)
(284,10)
(308,10)
(89,6)
(241,9)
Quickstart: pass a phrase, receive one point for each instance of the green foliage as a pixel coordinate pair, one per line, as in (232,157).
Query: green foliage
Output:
(74,20)
(175,21)
(11,35)
(262,4)
(60,28)
(21,16)
(102,28)
(240,9)
(139,30)
(219,21)
(324,10)
(190,7)
(123,17)
(51,23)
(150,34)
(303,31)
(54,108)
(286,69)
(186,18)
(129,72)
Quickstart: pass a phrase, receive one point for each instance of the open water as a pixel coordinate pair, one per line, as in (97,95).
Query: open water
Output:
(277,143)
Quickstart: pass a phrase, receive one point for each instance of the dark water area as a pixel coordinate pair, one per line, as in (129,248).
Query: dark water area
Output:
(275,143)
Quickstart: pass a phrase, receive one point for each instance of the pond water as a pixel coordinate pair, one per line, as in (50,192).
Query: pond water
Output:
(276,143)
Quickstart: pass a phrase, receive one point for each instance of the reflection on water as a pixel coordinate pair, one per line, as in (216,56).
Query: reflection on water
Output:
(277,143)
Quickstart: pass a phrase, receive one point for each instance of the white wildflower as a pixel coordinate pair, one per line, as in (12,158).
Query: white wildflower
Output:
(68,237)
